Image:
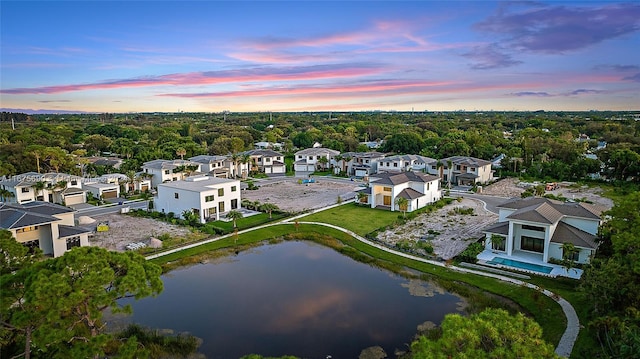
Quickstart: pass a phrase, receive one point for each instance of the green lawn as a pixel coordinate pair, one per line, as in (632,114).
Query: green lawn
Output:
(359,219)
(248,222)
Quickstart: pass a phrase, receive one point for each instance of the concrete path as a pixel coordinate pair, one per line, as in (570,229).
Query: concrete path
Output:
(565,346)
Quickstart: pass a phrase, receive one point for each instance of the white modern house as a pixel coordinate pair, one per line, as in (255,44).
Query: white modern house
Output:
(358,164)
(418,188)
(208,197)
(48,187)
(403,163)
(169,170)
(220,166)
(464,171)
(43,225)
(311,159)
(537,228)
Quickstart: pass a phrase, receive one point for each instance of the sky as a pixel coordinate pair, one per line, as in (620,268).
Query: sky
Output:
(290,56)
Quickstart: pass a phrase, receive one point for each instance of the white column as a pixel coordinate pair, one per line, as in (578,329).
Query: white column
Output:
(510,239)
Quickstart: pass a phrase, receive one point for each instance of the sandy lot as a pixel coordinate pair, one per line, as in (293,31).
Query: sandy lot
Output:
(293,197)
(125,229)
(448,233)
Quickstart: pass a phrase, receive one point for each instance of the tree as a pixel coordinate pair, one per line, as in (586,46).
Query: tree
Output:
(181,152)
(492,333)
(402,204)
(568,251)
(268,208)
(234,215)
(61,300)
(38,187)
(362,197)
(37,151)
(539,190)
(406,143)
(323,162)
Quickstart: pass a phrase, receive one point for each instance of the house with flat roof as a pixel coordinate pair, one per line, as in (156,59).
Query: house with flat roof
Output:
(220,166)
(419,189)
(538,227)
(43,225)
(207,197)
(357,164)
(169,170)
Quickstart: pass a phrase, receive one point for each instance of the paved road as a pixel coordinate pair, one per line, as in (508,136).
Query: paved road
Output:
(491,202)
(116,208)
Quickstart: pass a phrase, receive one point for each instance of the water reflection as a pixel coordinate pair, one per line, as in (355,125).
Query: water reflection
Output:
(295,298)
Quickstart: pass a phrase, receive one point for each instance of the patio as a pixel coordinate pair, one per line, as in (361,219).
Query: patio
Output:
(487,256)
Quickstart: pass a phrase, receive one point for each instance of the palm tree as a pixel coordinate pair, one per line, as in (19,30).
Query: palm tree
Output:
(268,207)
(568,251)
(38,187)
(345,160)
(235,158)
(338,159)
(449,169)
(4,194)
(246,158)
(539,190)
(234,215)
(323,161)
(402,204)
(181,152)
(497,242)
(363,197)
(38,152)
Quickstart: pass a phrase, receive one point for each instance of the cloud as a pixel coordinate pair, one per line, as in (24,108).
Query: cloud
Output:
(292,73)
(53,101)
(634,78)
(490,57)
(584,92)
(558,29)
(530,93)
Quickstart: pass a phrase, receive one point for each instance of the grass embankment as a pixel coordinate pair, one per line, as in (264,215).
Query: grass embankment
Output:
(543,309)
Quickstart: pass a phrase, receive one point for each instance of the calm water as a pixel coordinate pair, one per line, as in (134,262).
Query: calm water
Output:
(295,298)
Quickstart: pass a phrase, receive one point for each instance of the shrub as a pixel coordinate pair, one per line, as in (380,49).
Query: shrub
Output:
(471,253)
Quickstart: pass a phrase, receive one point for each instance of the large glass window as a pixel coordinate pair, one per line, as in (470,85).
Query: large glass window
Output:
(73,242)
(208,198)
(532,244)
(573,256)
(533,228)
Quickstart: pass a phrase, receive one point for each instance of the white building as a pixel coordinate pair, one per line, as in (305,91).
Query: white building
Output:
(358,164)
(48,187)
(464,171)
(403,163)
(220,166)
(418,188)
(208,197)
(311,159)
(266,161)
(169,170)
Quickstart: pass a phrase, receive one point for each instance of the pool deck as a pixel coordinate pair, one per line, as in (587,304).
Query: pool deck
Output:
(558,271)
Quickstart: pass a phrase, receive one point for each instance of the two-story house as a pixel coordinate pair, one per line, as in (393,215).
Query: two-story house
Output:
(311,159)
(220,166)
(464,170)
(48,187)
(266,161)
(169,170)
(402,163)
(536,228)
(419,189)
(43,225)
(207,197)
(358,164)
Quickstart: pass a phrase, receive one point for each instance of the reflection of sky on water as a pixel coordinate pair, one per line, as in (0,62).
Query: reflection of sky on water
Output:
(295,298)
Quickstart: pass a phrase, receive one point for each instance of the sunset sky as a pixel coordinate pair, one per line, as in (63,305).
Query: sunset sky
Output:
(169,56)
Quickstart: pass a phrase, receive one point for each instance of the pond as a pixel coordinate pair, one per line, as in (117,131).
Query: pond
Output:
(293,298)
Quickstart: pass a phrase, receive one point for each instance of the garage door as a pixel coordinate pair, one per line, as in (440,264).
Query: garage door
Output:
(144,188)
(112,193)
(74,199)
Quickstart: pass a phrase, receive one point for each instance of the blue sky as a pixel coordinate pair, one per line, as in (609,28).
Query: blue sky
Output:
(144,56)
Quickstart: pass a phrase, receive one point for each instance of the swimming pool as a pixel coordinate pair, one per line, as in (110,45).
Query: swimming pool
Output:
(520,265)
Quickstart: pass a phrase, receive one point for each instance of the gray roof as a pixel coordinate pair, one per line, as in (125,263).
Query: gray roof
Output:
(540,213)
(207,159)
(198,184)
(69,231)
(468,175)
(263,153)
(168,164)
(46,208)
(580,210)
(410,193)
(72,190)
(416,158)
(566,233)
(465,160)
(319,151)
(402,177)
(497,228)
(14,216)
(364,190)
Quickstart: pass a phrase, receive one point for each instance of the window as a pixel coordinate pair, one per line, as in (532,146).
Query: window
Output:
(278,158)
(267,159)
(532,244)
(533,228)
(498,243)
(166,172)
(428,186)
(433,167)
(299,157)
(572,256)
(25,190)
(317,157)
(386,189)
(233,188)
(473,169)
(176,195)
(27,229)
(32,245)
(395,164)
(73,242)
(208,198)
(234,204)
(220,192)
(74,183)
(221,206)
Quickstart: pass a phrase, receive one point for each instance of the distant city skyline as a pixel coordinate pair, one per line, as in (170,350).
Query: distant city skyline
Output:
(286,56)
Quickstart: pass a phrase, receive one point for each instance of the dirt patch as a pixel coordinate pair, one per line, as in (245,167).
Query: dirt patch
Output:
(507,187)
(125,229)
(449,233)
(293,197)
